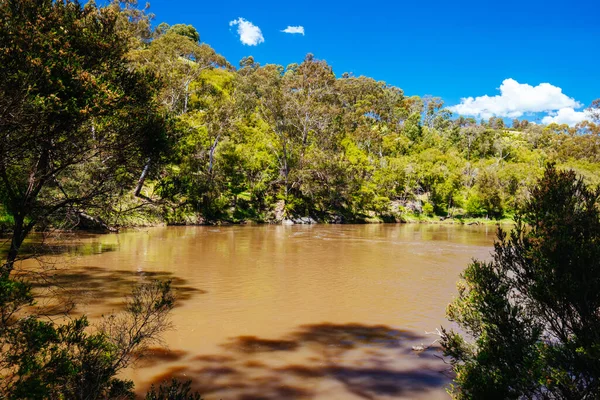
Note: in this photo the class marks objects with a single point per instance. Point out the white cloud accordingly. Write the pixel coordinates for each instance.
(294, 29)
(567, 116)
(250, 34)
(515, 100)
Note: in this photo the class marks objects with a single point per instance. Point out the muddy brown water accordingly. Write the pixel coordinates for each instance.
(288, 312)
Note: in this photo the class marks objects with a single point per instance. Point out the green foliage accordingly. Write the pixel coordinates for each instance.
(428, 209)
(44, 360)
(475, 206)
(95, 107)
(236, 142)
(490, 194)
(533, 311)
(332, 147)
(78, 123)
(173, 390)
(62, 362)
(185, 30)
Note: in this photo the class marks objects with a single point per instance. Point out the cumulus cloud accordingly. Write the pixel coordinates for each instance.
(294, 29)
(515, 100)
(250, 34)
(567, 116)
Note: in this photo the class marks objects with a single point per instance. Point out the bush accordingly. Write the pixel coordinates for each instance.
(44, 360)
(173, 390)
(474, 206)
(533, 312)
(428, 209)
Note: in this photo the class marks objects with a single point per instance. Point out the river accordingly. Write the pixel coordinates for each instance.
(288, 312)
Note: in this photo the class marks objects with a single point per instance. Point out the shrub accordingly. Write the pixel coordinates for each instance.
(428, 209)
(173, 390)
(533, 312)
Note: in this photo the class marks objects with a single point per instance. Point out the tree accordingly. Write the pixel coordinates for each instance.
(75, 119)
(432, 107)
(309, 100)
(185, 30)
(496, 123)
(195, 175)
(178, 59)
(263, 89)
(594, 111)
(132, 22)
(533, 312)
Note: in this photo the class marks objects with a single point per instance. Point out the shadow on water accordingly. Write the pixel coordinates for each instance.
(60, 244)
(252, 344)
(66, 248)
(361, 360)
(96, 286)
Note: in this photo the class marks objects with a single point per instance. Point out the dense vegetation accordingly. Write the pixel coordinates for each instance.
(268, 142)
(532, 313)
(74, 119)
(271, 142)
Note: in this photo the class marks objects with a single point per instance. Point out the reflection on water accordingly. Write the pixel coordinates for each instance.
(294, 312)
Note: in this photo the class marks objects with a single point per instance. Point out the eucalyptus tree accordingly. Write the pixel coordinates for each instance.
(594, 112)
(192, 178)
(360, 98)
(177, 58)
(310, 100)
(378, 116)
(261, 91)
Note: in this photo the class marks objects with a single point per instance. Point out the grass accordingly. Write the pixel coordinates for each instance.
(6, 221)
(457, 219)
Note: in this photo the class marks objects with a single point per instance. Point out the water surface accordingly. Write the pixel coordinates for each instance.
(289, 312)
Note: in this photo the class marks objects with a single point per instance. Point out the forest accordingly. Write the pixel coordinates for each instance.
(273, 143)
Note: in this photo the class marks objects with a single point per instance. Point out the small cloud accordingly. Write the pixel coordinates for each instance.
(567, 116)
(294, 30)
(515, 100)
(250, 34)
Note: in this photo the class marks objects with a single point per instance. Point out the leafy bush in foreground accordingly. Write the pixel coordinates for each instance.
(533, 312)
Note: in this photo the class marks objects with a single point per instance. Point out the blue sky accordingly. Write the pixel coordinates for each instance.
(452, 49)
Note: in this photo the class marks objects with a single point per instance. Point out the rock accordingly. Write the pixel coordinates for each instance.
(90, 223)
(336, 219)
(287, 222)
(279, 210)
(414, 207)
(305, 221)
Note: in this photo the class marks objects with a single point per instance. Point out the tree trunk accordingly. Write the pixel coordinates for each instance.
(286, 170)
(19, 233)
(140, 184)
(186, 98)
(211, 156)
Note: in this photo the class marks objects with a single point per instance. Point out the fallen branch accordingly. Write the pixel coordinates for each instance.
(422, 347)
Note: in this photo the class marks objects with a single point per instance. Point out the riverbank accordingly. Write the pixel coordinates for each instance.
(152, 218)
(404, 219)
